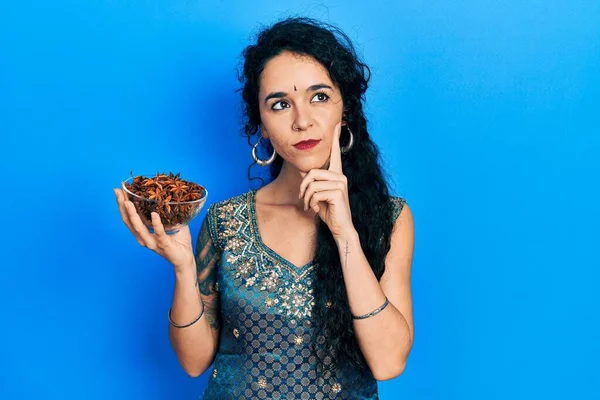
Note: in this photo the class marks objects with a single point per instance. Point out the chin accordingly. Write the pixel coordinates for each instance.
(307, 164)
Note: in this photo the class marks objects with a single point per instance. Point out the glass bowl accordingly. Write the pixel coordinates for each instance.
(174, 215)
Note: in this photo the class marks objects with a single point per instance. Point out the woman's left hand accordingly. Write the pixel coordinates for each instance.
(325, 191)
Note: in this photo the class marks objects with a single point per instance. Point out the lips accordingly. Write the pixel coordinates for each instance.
(306, 144)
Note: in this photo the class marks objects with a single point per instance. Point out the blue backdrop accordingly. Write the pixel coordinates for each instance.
(487, 116)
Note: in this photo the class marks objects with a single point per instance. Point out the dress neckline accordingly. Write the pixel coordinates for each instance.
(261, 244)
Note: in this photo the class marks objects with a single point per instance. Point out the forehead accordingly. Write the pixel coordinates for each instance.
(289, 69)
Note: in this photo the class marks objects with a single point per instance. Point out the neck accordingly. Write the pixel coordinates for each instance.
(286, 187)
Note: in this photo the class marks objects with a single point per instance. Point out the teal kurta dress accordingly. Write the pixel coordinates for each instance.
(266, 301)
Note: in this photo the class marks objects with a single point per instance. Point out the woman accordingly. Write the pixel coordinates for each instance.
(300, 289)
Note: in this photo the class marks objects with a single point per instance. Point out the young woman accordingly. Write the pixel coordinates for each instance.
(301, 289)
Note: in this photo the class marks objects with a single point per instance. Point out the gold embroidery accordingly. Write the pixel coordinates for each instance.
(336, 388)
(271, 282)
(296, 300)
(255, 266)
(235, 244)
(262, 383)
(226, 210)
(245, 268)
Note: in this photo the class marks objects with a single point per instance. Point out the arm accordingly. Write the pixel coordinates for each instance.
(385, 339)
(197, 344)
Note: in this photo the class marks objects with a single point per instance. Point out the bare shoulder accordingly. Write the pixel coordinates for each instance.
(399, 258)
(395, 281)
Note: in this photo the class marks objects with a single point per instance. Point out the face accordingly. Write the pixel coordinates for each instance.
(297, 92)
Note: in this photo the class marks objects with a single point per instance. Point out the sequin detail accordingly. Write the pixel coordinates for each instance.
(336, 388)
(257, 265)
(397, 206)
(262, 383)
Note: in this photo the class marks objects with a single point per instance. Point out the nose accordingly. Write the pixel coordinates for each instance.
(302, 119)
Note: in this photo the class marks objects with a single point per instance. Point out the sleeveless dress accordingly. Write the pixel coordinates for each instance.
(266, 301)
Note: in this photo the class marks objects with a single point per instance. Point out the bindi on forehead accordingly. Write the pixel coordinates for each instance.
(295, 90)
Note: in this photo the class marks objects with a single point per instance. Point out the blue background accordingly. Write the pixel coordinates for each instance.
(487, 116)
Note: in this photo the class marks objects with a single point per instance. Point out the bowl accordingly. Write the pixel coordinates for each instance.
(174, 214)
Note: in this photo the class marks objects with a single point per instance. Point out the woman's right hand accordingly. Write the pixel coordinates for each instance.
(175, 248)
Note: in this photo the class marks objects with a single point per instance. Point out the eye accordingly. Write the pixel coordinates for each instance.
(280, 105)
(273, 107)
(322, 97)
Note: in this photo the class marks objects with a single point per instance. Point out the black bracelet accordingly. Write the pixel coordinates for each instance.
(377, 311)
(191, 323)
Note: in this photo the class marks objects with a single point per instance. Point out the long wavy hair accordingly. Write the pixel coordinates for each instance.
(332, 333)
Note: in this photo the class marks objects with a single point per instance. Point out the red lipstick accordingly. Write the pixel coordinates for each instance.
(306, 144)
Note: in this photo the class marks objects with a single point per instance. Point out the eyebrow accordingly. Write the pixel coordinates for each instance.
(278, 95)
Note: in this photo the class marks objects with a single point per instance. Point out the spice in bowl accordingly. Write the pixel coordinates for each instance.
(177, 201)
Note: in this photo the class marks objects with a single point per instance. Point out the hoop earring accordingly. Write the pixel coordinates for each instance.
(347, 147)
(260, 162)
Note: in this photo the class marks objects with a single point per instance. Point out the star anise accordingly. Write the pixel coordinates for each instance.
(178, 188)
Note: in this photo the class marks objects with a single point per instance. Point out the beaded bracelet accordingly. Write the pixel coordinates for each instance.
(191, 323)
(375, 312)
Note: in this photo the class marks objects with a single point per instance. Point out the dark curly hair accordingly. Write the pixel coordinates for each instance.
(367, 186)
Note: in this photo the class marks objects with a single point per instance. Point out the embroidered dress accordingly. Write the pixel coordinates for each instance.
(266, 301)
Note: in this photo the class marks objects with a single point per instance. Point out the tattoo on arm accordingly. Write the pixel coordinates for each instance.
(207, 259)
(347, 252)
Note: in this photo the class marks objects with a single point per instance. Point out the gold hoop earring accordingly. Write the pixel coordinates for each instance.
(260, 162)
(348, 147)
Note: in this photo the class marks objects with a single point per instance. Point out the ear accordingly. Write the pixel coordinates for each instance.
(265, 133)
(344, 121)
